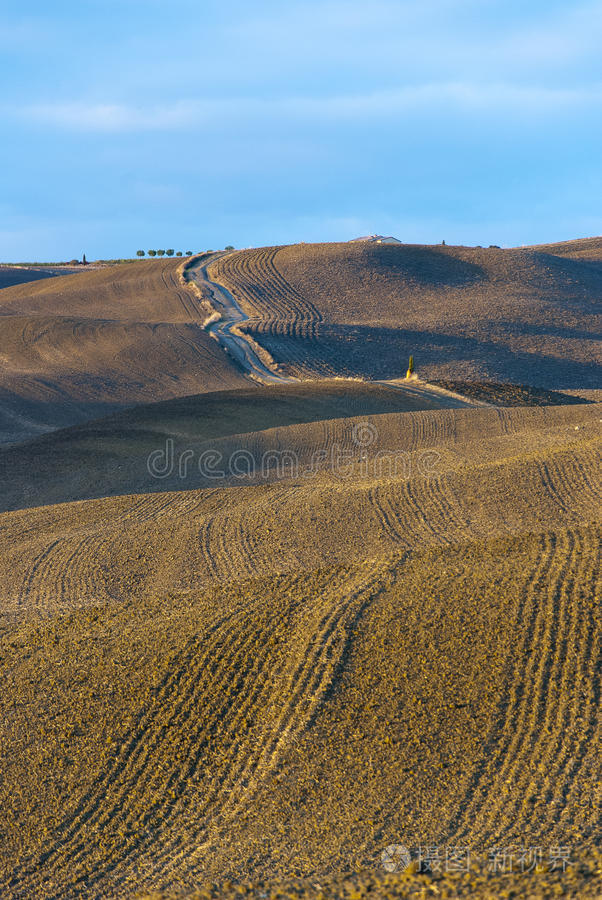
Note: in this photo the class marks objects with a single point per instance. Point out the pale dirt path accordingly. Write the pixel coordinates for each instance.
(231, 316)
(448, 399)
(240, 349)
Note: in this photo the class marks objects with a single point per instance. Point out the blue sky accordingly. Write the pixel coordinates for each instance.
(133, 124)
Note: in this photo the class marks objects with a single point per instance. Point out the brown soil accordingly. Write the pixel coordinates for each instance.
(253, 686)
(79, 347)
(520, 316)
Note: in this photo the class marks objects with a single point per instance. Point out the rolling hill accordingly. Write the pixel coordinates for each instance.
(79, 347)
(584, 248)
(110, 455)
(12, 275)
(527, 316)
(315, 667)
(314, 638)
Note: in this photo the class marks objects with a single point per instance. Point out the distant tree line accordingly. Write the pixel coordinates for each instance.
(152, 253)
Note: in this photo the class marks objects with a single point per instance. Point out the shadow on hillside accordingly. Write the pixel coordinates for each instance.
(11, 276)
(547, 329)
(376, 352)
(23, 418)
(432, 266)
(587, 271)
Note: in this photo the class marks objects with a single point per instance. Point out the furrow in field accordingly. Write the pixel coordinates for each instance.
(437, 492)
(585, 475)
(551, 709)
(241, 537)
(242, 672)
(77, 574)
(155, 506)
(231, 771)
(572, 473)
(421, 516)
(244, 269)
(137, 767)
(561, 472)
(543, 668)
(36, 572)
(307, 313)
(579, 795)
(226, 554)
(388, 518)
(228, 545)
(419, 506)
(244, 747)
(571, 708)
(171, 286)
(62, 574)
(254, 276)
(428, 430)
(248, 761)
(503, 727)
(550, 482)
(304, 689)
(205, 543)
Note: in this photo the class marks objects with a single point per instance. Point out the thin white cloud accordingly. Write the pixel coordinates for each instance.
(190, 115)
(460, 96)
(111, 117)
(444, 38)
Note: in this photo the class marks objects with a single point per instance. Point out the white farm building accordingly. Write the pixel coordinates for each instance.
(376, 239)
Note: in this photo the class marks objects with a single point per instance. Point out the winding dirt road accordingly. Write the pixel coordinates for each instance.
(232, 316)
(240, 349)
